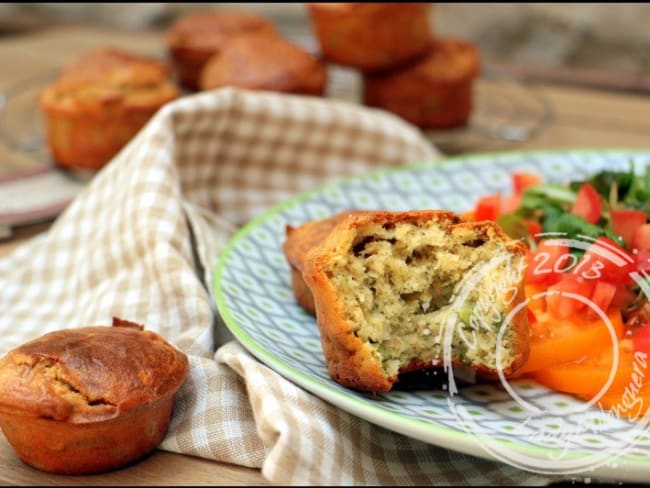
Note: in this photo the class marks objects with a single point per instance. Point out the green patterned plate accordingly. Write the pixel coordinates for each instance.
(558, 435)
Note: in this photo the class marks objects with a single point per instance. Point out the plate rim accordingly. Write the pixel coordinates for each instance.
(463, 441)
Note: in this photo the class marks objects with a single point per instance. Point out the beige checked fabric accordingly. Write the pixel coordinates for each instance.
(142, 239)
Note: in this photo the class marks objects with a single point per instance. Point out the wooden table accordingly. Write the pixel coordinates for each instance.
(580, 119)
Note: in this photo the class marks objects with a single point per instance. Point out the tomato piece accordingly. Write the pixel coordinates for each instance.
(623, 297)
(561, 301)
(587, 204)
(626, 222)
(511, 203)
(590, 376)
(558, 341)
(546, 263)
(601, 297)
(488, 208)
(534, 227)
(643, 261)
(606, 260)
(521, 181)
(641, 239)
(641, 339)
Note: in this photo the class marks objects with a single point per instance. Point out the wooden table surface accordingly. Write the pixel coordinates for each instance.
(580, 118)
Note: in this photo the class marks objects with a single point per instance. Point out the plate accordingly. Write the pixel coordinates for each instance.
(254, 296)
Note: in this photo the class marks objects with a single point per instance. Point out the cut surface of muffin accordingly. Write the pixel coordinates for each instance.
(400, 291)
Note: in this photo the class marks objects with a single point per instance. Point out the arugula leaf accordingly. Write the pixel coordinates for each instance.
(603, 181)
(638, 195)
(571, 225)
(553, 193)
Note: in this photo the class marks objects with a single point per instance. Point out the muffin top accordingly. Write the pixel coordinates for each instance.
(90, 373)
(449, 60)
(264, 62)
(110, 76)
(207, 31)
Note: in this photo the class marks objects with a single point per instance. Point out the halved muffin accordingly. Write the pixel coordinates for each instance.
(400, 291)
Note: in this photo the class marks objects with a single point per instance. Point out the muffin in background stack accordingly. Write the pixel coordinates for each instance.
(99, 102)
(406, 69)
(371, 36)
(433, 92)
(194, 38)
(262, 62)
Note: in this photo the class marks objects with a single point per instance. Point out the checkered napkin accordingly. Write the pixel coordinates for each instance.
(141, 241)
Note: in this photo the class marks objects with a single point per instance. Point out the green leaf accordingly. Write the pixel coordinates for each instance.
(571, 225)
(553, 193)
(514, 225)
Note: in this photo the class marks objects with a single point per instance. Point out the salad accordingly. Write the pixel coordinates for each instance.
(587, 283)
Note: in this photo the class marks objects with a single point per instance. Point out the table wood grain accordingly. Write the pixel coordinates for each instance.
(581, 118)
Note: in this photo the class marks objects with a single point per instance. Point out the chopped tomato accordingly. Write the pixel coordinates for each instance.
(643, 260)
(558, 341)
(521, 181)
(601, 297)
(606, 260)
(641, 239)
(534, 227)
(623, 297)
(587, 204)
(626, 222)
(562, 298)
(641, 339)
(511, 203)
(589, 376)
(545, 264)
(488, 208)
(531, 316)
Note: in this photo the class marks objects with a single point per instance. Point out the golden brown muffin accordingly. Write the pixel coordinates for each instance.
(393, 291)
(434, 92)
(299, 241)
(99, 103)
(194, 38)
(92, 399)
(371, 36)
(262, 62)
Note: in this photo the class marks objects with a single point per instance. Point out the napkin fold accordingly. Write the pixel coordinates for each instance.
(142, 239)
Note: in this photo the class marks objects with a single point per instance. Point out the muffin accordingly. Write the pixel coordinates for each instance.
(393, 292)
(99, 102)
(87, 400)
(433, 92)
(194, 38)
(263, 62)
(371, 36)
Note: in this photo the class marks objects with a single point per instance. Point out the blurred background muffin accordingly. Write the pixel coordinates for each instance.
(433, 92)
(99, 102)
(263, 62)
(371, 36)
(195, 37)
